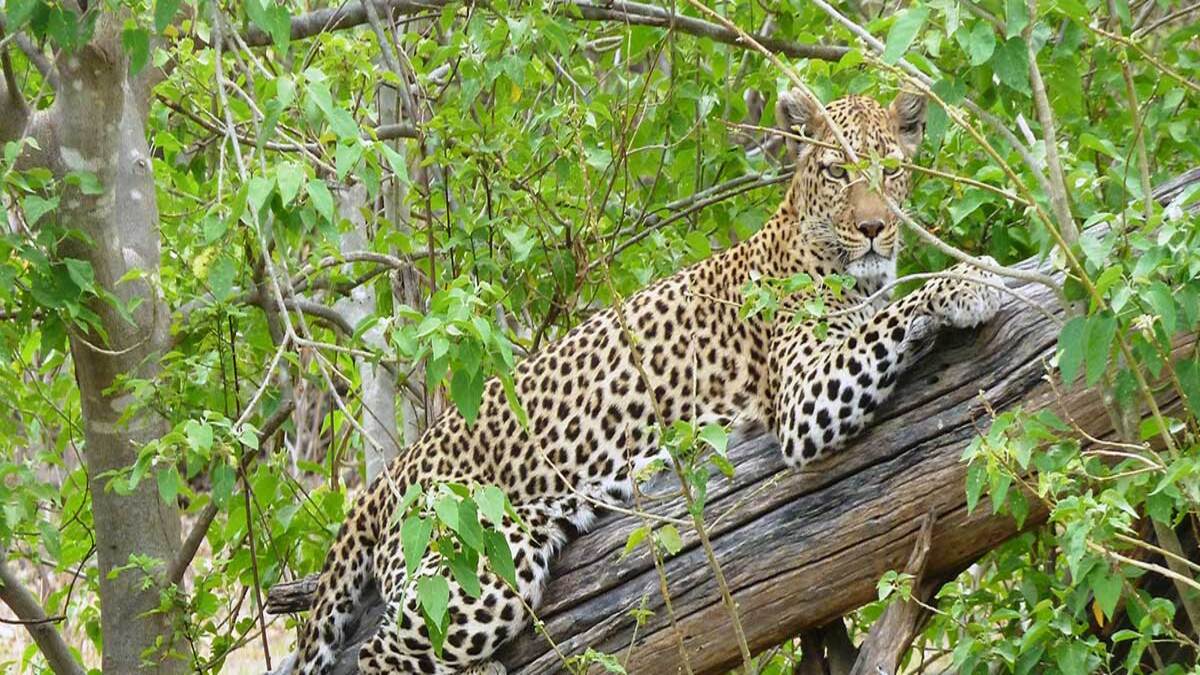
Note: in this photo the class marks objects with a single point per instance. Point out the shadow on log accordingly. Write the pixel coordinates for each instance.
(800, 550)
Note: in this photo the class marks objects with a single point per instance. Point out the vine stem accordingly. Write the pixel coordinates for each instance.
(685, 487)
(660, 420)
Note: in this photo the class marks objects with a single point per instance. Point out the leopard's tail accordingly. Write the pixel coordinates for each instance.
(343, 580)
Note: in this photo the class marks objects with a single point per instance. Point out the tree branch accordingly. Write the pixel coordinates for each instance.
(200, 529)
(14, 113)
(891, 635)
(355, 14)
(34, 54)
(25, 605)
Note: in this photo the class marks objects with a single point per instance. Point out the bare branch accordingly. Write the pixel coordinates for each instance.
(14, 113)
(1059, 200)
(12, 89)
(14, 594)
(355, 14)
(892, 633)
(200, 529)
(1166, 19)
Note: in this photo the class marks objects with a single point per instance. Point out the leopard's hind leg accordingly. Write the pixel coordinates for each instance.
(477, 626)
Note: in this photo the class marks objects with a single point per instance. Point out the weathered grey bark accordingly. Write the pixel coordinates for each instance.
(892, 634)
(97, 125)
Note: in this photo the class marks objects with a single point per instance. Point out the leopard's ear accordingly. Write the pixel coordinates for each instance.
(908, 112)
(797, 114)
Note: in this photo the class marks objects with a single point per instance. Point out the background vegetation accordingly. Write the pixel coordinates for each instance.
(362, 220)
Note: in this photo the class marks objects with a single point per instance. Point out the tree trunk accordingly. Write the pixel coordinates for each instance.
(97, 126)
(377, 385)
(122, 223)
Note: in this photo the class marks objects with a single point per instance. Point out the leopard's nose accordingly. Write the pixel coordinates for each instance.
(870, 228)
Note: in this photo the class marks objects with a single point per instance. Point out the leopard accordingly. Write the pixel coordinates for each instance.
(595, 400)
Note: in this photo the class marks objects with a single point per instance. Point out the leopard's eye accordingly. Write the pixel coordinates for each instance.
(835, 171)
(891, 170)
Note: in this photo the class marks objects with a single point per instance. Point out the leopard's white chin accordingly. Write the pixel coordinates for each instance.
(872, 270)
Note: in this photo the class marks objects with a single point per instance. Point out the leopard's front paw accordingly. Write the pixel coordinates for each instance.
(962, 301)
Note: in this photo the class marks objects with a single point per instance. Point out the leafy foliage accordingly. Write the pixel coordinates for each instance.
(556, 167)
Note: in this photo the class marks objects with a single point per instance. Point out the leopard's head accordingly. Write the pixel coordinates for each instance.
(840, 201)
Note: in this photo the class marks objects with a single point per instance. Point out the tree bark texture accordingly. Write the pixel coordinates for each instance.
(97, 126)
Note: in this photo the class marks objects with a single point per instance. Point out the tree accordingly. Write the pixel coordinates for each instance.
(102, 220)
(248, 249)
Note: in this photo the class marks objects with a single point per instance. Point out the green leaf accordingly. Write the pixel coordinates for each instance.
(289, 177)
(214, 228)
(469, 529)
(340, 120)
(346, 156)
(976, 479)
(716, 436)
(500, 556)
(1016, 14)
(466, 389)
(414, 541)
(971, 199)
(411, 494)
(522, 239)
(464, 567)
(668, 536)
(491, 503)
(81, 273)
(446, 510)
(1071, 657)
(434, 594)
(1107, 589)
(36, 207)
(637, 536)
(258, 192)
(164, 13)
(979, 42)
(903, 31)
(1107, 279)
(322, 199)
(51, 539)
(273, 19)
(199, 435)
(998, 484)
(221, 277)
(723, 465)
(168, 485)
(396, 161)
(1163, 302)
(1011, 63)
(1189, 376)
(136, 42)
(598, 158)
(1070, 348)
(1099, 334)
(223, 478)
(19, 11)
(248, 435)
(1072, 8)
(87, 182)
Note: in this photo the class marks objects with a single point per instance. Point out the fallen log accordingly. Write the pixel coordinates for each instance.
(800, 550)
